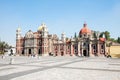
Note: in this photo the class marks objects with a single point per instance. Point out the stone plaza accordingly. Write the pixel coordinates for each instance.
(59, 68)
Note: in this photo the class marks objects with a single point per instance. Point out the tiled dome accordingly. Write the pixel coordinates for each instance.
(102, 39)
(40, 28)
(85, 29)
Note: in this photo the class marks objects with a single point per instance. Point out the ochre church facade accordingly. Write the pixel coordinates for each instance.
(88, 43)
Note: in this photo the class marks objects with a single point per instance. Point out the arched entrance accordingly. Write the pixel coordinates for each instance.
(22, 52)
(62, 53)
(30, 52)
(39, 52)
(56, 53)
(84, 53)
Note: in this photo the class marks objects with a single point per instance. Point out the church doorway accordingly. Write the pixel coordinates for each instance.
(39, 52)
(56, 53)
(62, 53)
(22, 52)
(30, 51)
(84, 53)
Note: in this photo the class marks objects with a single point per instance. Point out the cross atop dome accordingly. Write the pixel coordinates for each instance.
(85, 24)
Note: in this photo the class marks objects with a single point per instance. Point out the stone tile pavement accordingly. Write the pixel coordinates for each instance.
(59, 68)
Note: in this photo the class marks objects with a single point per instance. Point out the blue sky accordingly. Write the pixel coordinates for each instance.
(59, 15)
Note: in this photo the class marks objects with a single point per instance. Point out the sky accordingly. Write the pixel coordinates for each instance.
(59, 15)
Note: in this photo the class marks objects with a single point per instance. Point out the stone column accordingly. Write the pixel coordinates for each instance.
(90, 49)
(81, 49)
(98, 49)
(78, 48)
(27, 52)
(59, 50)
(64, 49)
(82, 52)
(105, 48)
(71, 49)
(42, 50)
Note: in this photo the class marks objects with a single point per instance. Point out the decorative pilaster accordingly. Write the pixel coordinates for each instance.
(105, 51)
(90, 52)
(78, 48)
(98, 49)
(72, 50)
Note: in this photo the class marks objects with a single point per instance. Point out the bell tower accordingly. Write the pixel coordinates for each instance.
(44, 39)
(63, 37)
(18, 43)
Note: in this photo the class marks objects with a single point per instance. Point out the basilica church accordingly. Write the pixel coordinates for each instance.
(42, 43)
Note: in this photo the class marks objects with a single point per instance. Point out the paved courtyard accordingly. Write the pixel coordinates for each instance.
(59, 68)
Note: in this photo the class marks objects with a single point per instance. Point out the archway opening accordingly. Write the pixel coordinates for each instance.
(22, 52)
(30, 51)
(84, 52)
(62, 53)
(39, 52)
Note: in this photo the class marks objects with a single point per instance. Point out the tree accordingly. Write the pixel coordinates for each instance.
(101, 34)
(95, 34)
(113, 40)
(67, 38)
(3, 46)
(107, 35)
(75, 36)
(118, 40)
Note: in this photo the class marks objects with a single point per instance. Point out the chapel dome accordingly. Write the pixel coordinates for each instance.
(85, 29)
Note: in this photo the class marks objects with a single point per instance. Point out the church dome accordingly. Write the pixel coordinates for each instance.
(40, 28)
(85, 29)
(102, 39)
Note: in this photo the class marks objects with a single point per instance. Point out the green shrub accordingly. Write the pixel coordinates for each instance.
(1, 52)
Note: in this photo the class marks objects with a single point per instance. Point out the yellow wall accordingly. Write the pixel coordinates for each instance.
(115, 51)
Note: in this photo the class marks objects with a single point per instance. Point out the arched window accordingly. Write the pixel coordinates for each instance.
(84, 44)
(93, 46)
(68, 47)
(84, 35)
(102, 46)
